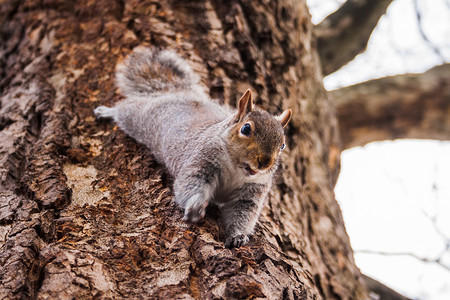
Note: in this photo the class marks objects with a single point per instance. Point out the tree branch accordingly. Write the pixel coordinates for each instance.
(433, 47)
(414, 106)
(437, 261)
(345, 33)
(384, 292)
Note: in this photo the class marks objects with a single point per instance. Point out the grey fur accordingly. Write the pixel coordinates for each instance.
(146, 72)
(166, 110)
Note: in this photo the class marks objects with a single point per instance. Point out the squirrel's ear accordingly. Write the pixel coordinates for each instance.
(284, 117)
(245, 104)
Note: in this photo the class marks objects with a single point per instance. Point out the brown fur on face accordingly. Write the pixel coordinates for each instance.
(261, 149)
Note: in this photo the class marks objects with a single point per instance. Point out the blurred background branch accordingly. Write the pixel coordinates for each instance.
(430, 44)
(437, 261)
(414, 106)
(345, 33)
(383, 292)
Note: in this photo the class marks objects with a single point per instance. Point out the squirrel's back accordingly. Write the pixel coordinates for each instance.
(164, 108)
(148, 71)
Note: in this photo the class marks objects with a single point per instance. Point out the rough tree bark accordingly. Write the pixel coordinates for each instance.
(409, 106)
(86, 212)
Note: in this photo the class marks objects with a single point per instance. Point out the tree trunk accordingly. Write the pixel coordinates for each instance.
(86, 212)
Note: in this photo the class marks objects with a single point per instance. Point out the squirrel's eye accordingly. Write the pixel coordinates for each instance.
(246, 129)
(283, 146)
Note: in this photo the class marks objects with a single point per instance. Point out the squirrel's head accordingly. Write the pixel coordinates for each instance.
(256, 138)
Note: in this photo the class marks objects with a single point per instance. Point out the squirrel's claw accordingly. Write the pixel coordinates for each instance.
(236, 241)
(194, 213)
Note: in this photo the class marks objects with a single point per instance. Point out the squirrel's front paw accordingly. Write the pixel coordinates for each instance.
(195, 212)
(236, 241)
(104, 112)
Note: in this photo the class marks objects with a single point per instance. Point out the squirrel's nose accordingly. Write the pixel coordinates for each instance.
(264, 162)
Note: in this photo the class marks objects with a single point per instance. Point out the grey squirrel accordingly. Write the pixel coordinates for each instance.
(215, 153)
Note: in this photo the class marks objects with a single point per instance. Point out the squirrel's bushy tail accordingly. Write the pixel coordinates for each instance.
(147, 71)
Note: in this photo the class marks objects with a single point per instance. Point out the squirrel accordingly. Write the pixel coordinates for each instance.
(215, 153)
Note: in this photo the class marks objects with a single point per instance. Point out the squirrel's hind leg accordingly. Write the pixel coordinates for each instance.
(241, 213)
(105, 112)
